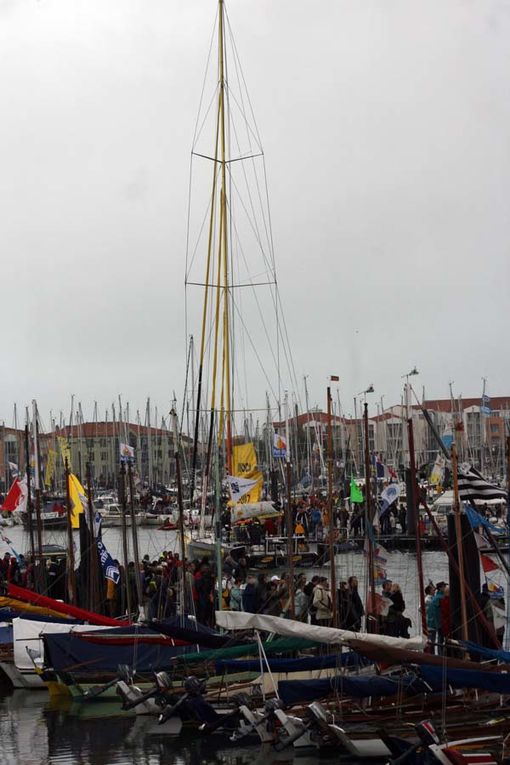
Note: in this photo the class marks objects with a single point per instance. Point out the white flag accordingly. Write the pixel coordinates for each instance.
(127, 452)
(14, 469)
(239, 486)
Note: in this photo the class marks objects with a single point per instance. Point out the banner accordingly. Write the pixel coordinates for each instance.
(65, 451)
(390, 495)
(127, 453)
(110, 569)
(244, 461)
(437, 473)
(279, 446)
(50, 467)
(239, 486)
(485, 405)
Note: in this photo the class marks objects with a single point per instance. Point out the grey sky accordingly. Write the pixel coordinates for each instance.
(386, 132)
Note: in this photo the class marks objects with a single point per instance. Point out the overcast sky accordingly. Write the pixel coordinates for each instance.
(385, 126)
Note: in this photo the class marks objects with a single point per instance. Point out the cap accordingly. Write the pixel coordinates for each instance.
(275, 578)
(440, 584)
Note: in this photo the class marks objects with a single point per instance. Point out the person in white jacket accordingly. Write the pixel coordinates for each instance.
(322, 603)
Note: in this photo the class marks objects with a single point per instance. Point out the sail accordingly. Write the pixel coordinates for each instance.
(236, 620)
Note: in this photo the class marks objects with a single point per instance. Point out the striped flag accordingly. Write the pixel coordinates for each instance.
(472, 485)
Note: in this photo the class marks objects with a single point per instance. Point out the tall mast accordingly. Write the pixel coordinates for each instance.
(224, 232)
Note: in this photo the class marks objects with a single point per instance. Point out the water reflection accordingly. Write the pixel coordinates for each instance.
(35, 730)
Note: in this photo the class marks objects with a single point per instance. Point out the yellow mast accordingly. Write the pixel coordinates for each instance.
(226, 387)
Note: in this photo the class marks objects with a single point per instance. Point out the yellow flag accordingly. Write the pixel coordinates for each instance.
(244, 462)
(50, 467)
(78, 500)
(65, 451)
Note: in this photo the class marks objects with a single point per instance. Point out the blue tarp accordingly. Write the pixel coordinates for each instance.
(6, 635)
(295, 691)
(488, 653)
(346, 659)
(65, 652)
(497, 682)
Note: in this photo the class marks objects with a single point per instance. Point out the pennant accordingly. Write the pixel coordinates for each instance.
(356, 494)
(127, 453)
(78, 500)
(488, 564)
(279, 446)
(65, 451)
(50, 467)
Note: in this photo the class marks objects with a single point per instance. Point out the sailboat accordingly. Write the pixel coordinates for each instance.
(237, 344)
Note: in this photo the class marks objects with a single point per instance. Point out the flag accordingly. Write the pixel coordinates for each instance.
(240, 486)
(334, 378)
(127, 453)
(437, 472)
(380, 468)
(356, 494)
(488, 564)
(14, 469)
(472, 485)
(50, 467)
(485, 405)
(65, 451)
(110, 569)
(244, 461)
(476, 520)
(78, 500)
(392, 473)
(390, 495)
(16, 496)
(279, 446)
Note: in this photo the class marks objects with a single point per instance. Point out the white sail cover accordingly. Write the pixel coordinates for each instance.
(251, 510)
(238, 620)
(27, 634)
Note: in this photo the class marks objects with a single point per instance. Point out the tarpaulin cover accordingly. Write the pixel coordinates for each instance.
(497, 682)
(303, 664)
(271, 647)
(295, 691)
(69, 653)
(488, 653)
(190, 633)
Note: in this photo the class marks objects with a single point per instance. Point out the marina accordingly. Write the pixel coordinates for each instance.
(252, 572)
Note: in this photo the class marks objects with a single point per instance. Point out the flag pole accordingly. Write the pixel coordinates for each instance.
(71, 577)
(416, 514)
(460, 547)
(290, 520)
(368, 516)
(330, 513)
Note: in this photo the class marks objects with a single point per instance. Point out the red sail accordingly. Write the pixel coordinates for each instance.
(64, 608)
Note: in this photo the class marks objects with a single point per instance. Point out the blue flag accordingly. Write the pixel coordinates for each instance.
(110, 570)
